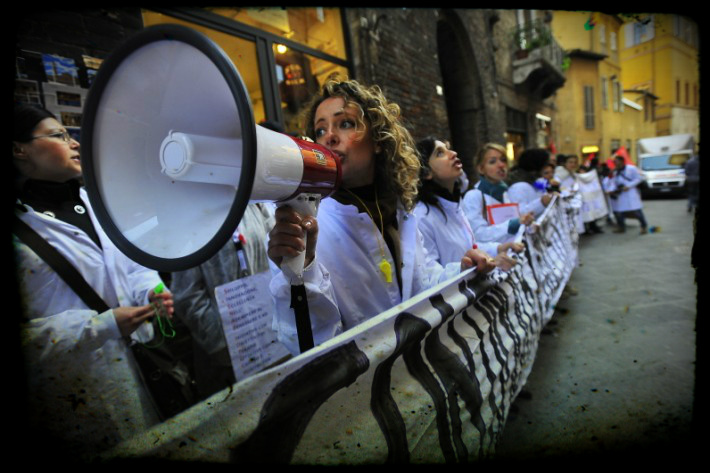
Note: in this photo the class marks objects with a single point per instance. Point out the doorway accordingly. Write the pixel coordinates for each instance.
(461, 90)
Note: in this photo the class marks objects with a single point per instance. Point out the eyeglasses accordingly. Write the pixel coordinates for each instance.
(64, 135)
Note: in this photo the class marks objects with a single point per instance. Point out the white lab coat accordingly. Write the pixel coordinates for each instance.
(631, 198)
(74, 354)
(472, 205)
(527, 197)
(565, 178)
(344, 284)
(448, 237)
(609, 186)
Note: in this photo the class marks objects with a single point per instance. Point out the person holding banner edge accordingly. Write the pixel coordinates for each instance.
(444, 226)
(550, 183)
(364, 252)
(489, 194)
(522, 181)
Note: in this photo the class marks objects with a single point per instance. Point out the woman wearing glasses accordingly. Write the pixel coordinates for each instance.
(84, 387)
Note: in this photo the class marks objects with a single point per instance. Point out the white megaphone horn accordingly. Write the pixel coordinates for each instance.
(171, 154)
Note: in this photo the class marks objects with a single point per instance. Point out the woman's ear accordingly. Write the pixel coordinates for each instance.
(18, 151)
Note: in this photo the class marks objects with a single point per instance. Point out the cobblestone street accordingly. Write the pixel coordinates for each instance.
(615, 370)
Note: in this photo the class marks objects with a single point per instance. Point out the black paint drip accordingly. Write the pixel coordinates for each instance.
(409, 331)
(293, 402)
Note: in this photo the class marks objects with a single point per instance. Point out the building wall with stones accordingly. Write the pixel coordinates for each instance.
(450, 70)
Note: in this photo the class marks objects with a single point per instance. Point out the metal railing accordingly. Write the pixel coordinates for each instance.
(535, 38)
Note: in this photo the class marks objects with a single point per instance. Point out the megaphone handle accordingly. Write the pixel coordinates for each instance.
(299, 304)
(307, 206)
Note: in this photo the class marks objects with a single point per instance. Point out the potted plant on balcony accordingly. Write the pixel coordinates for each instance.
(530, 36)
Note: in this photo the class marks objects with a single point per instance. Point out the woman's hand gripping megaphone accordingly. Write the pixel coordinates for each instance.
(292, 241)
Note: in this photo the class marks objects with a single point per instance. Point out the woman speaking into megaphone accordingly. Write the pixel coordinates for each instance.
(364, 252)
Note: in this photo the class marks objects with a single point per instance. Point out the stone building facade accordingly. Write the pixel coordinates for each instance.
(452, 71)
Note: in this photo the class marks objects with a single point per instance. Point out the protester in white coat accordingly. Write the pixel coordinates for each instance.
(84, 389)
(625, 195)
(364, 252)
(446, 231)
(491, 190)
(566, 174)
(522, 182)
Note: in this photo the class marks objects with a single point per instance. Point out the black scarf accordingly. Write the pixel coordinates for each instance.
(61, 200)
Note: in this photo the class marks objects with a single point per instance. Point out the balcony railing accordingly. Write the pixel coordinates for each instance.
(537, 58)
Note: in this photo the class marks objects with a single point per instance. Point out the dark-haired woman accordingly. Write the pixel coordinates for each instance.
(83, 384)
(446, 231)
(521, 182)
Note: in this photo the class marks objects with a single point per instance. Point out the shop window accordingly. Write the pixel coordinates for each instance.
(615, 145)
(299, 77)
(514, 146)
(319, 28)
(242, 52)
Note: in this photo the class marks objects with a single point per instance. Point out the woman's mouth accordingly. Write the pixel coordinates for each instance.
(342, 157)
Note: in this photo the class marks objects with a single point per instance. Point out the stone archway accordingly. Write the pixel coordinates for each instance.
(462, 89)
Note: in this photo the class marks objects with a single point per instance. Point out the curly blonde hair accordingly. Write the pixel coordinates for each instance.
(396, 163)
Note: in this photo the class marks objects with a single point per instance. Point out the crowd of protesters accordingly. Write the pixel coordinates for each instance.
(404, 219)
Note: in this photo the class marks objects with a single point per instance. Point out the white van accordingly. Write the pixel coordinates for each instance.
(661, 160)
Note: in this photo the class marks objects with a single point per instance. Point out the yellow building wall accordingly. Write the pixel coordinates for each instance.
(659, 65)
(572, 133)
(569, 30)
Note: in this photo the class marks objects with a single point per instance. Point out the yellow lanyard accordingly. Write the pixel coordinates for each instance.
(384, 265)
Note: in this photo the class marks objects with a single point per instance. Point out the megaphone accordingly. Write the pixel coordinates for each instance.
(171, 155)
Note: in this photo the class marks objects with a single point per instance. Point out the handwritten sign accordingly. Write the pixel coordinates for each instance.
(246, 308)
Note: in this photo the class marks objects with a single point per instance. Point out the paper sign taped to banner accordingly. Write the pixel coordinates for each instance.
(246, 308)
(499, 213)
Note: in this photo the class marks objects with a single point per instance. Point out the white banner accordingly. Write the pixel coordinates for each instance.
(429, 381)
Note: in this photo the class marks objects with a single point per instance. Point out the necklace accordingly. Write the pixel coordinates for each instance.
(384, 265)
